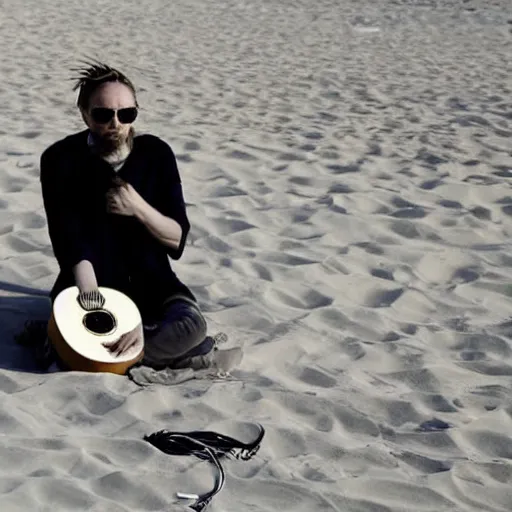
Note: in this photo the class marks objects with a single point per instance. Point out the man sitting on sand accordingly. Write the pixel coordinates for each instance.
(115, 212)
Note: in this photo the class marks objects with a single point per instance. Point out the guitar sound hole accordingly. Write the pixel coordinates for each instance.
(99, 322)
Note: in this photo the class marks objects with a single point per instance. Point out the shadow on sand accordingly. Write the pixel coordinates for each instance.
(17, 305)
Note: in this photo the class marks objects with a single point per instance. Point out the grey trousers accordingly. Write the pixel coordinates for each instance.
(180, 334)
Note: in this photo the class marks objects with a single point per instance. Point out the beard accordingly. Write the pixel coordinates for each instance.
(112, 143)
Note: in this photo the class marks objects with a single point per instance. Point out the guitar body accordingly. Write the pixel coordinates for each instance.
(78, 335)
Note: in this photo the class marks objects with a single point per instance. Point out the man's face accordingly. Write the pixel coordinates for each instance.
(113, 128)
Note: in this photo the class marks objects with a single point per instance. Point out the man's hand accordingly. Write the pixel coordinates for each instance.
(85, 279)
(122, 199)
(126, 341)
(91, 300)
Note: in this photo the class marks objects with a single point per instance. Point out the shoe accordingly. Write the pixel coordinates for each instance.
(203, 352)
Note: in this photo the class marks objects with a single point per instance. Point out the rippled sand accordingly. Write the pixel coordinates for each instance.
(348, 171)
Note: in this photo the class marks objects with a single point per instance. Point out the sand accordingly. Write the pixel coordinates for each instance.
(347, 167)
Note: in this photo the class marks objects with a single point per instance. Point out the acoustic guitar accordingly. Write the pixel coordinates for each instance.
(78, 335)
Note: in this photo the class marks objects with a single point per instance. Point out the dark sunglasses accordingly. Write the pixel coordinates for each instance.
(102, 115)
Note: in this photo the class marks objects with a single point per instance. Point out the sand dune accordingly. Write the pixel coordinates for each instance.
(347, 167)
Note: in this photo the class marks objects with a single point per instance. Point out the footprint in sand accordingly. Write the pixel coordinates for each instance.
(485, 354)
(30, 134)
(296, 298)
(446, 203)
(282, 258)
(478, 179)
(192, 145)
(224, 227)
(507, 210)
(291, 157)
(465, 275)
(383, 298)
(227, 191)
(308, 148)
(286, 443)
(20, 242)
(355, 422)
(32, 220)
(241, 155)
(492, 444)
(382, 274)
(252, 269)
(406, 209)
(405, 229)
(420, 379)
(6, 228)
(399, 412)
(437, 403)
(11, 425)
(316, 378)
(9, 385)
(343, 169)
(301, 180)
(503, 172)
(391, 336)
(340, 188)
(415, 212)
(487, 397)
(353, 348)
(329, 155)
(314, 474)
(424, 464)
(252, 395)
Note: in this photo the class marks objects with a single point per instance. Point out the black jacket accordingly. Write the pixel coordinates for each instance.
(124, 254)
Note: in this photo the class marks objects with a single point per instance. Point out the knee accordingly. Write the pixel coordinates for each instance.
(191, 326)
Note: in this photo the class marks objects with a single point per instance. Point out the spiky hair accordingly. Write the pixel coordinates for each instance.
(92, 75)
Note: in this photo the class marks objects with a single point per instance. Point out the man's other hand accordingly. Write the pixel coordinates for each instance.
(122, 199)
(125, 342)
